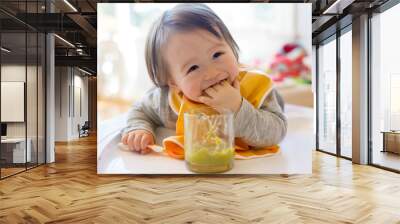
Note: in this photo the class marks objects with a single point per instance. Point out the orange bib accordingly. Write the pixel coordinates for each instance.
(254, 87)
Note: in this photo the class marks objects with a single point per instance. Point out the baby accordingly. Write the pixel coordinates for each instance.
(190, 50)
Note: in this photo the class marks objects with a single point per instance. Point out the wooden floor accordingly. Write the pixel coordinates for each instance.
(70, 191)
(388, 159)
(10, 171)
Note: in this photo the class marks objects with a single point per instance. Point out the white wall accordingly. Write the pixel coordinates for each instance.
(17, 73)
(33, 126)
(303, 33)
(70, 83)
(14, 73)
(82, 83)
(62, 80)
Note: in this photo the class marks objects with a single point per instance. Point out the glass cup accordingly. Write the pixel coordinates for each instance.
(209, 141)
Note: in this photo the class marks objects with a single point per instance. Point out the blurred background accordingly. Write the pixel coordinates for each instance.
(274, 38)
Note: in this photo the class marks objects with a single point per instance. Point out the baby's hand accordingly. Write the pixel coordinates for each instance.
(223, 96)
(138, 140)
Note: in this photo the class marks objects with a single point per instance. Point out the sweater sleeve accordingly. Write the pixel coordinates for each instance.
(261, 127)
(144, 114)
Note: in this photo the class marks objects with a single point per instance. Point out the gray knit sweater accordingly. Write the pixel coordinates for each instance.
(257, 127)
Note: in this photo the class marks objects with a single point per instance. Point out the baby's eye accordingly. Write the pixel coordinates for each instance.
(191, 69)
(217, 54)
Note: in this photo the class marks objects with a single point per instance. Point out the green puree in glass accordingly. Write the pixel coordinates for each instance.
(206, 156)
(209, 160)
(209, 155)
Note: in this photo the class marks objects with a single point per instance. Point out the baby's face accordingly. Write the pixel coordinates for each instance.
(198, 60)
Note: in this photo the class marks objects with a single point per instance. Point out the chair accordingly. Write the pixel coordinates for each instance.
(84, 130)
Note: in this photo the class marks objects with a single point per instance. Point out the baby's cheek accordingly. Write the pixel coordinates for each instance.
(234, 73)
(192, 92)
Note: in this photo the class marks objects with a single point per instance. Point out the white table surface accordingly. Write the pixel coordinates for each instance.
(13, 140)
(19, 150)
(295, 156)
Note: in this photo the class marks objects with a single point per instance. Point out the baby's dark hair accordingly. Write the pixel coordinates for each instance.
(183, 17)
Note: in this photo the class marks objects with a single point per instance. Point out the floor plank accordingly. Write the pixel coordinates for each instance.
(70, 191)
